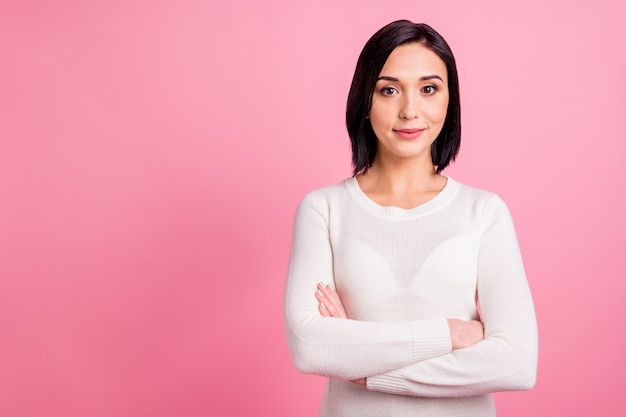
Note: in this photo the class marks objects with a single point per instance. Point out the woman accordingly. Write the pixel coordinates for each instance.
(411, 254)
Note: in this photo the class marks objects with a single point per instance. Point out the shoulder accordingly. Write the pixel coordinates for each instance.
(327, 194)
(487, 205)
(321, 199)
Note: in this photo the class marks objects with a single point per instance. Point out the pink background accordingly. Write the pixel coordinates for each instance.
(152, 154)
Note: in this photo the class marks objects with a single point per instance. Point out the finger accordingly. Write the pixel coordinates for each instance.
(322, 310)
(332, 301)
(325, 306)
(326, 303)
(360, 381)
(329, 293)
(329, 298)
(320, 297)
(323, 287)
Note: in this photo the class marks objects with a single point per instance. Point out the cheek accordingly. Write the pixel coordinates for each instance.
(439, 110)
(444, 107)
(378, 115)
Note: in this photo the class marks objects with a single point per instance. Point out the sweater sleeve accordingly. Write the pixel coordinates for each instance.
(507, 358)
(343, 348)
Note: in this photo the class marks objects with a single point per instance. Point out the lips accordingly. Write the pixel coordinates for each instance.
(408, 133)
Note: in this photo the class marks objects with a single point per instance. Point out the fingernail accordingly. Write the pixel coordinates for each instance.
(319, 293)
(323, 306)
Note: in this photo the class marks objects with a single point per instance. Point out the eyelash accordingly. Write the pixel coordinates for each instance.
(386, 91)
(433, 87)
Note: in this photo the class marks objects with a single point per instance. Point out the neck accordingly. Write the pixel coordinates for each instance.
(401, 177)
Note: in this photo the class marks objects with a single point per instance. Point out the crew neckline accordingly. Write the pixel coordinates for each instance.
(393, 212)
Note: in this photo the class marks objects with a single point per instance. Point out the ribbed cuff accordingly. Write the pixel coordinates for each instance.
(431, 338)
(391, 382)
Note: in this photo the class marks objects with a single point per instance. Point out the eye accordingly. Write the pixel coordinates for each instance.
(388, 91)
(429, 90)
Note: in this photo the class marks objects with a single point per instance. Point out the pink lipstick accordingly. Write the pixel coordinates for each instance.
(408, 133)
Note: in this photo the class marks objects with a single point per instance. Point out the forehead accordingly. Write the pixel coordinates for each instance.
(413, 60)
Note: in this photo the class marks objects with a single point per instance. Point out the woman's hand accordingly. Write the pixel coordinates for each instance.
(329, 302)
(462, 333)
(330, 306)
(465, 333)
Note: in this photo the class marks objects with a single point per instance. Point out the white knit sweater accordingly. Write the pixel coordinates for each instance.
(401, 274)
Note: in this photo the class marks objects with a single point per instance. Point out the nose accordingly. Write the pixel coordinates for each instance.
(408, 109)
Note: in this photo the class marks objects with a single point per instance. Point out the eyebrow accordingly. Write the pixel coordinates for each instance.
(424, 78)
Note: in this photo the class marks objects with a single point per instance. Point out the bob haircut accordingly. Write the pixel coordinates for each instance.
(371, 61)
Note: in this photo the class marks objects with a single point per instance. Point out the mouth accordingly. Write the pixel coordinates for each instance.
(408, 133)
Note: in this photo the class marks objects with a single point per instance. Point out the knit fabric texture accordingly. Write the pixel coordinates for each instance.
(400, 274)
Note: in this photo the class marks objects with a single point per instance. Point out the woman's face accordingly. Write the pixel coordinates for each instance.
(409, 103)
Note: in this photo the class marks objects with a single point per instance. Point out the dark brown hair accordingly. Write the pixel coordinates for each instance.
(368, 67)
